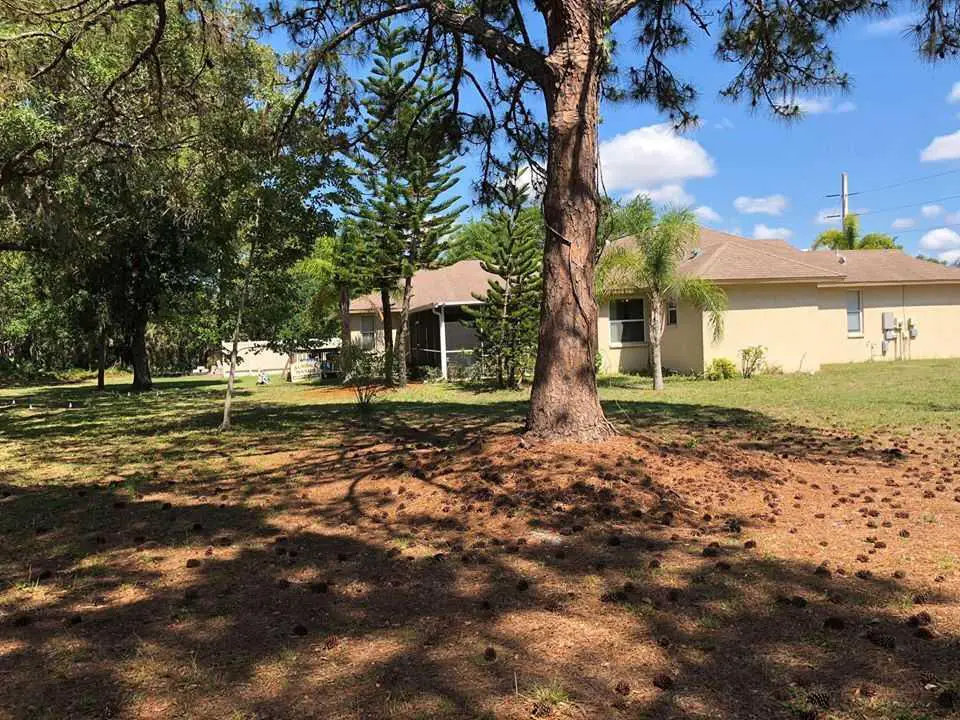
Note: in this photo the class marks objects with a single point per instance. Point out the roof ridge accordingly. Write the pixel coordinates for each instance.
(747, 244)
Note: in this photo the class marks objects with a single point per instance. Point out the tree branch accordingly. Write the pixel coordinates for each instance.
(523, 58)
(616, 9)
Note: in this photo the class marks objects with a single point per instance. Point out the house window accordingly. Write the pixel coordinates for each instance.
(627, 322)
(367, 329)
(854, 313)
(672, 313)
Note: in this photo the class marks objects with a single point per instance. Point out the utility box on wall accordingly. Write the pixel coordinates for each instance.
(889, 326)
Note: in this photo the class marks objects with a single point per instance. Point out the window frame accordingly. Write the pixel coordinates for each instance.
(641, 321)
(673, 314)
(368, 338)
(858, 333)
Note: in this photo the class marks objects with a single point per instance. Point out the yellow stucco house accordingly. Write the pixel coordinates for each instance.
(805, 308)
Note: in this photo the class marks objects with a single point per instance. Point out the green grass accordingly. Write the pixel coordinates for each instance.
(74, 427)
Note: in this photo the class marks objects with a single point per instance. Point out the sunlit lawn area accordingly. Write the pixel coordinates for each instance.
(758, 548)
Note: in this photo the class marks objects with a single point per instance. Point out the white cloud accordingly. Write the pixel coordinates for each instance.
(769, 205)
(707, 214)
(952, 218)
(892, 25)
(814, 106)
(669, 194)
(903, 223)
(950, 256)
(535, 182)
(954, 95)
(724, 124)
(817, 106)
(942, 147)
(931, 211)
(940, 239)
(762, 232)
(651, 156)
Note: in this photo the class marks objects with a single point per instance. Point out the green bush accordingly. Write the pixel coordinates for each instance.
(721, 369)
(753, 360)
(364, 375)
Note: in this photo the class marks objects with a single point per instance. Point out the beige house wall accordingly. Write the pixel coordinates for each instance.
(784, 318)
(682, 346)
(356, 327)
(934, 309)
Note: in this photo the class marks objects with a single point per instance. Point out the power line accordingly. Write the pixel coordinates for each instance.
(898, 184)
(897, 207)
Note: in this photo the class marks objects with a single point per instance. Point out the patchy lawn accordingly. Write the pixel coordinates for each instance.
(785, 547)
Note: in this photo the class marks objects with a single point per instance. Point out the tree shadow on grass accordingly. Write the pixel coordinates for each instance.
(291, 607)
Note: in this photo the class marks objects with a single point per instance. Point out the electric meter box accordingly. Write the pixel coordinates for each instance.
(889, 326)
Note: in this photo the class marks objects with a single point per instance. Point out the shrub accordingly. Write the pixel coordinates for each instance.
(752, 360)
(721, 369)
(364, 375)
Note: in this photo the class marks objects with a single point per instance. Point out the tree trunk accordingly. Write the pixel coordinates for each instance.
(344, 292)
(139, 356)
(564, 402)
(228, 399)
(387, 334)
(102, 359)
(657, 317)
(403, 333)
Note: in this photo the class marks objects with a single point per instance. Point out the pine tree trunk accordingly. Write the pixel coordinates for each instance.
(564, 402)
(140, 358)
(504, 344)
(344, 292)
(403, 332)
(657, 316)
(387, 334)
(102, 359)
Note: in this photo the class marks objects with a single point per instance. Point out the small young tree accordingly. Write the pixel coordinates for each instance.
(506, 322)
(652, 266)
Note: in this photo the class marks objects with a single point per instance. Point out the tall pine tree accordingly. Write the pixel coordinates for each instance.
(408, 174)
(506, 322)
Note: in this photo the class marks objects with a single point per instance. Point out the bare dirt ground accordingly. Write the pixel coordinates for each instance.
(449, 570)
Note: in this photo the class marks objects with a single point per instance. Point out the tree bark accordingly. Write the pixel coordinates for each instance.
(102, 359)
(139, 356)
(387, 334)
(344, 292)
(657, 317)
(564, 402)
(403, 333)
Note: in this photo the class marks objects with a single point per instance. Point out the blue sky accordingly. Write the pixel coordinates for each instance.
(758, 176)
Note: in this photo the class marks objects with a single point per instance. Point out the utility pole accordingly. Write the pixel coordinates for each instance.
(844, 199)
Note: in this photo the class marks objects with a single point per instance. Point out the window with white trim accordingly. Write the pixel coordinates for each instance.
(672, 313)
(368, 339)
(854, 313)
(627, 322)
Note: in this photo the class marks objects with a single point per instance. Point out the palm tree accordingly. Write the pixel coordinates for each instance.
(652, 266)
(849, 238)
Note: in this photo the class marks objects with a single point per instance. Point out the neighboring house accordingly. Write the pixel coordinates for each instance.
(805, 308)
(438, 336)
(255, 356)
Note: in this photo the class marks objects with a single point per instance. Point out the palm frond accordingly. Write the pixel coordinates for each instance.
(705, 296)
